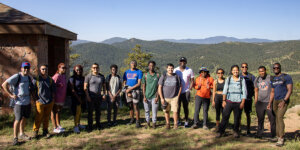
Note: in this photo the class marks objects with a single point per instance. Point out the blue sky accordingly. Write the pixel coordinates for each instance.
(97, 20)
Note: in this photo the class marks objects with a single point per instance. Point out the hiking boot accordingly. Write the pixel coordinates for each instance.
(131, 121)
(154, 125)
(109, 124)
(46, 133)
(115, 123)
(258, 135)
(15, 141)
(99, 127)
(219, 135)
(76, 130)
(168, 126)
(35, 134)
(280, 142)
(24, 137)
(137, 124)
(236, 135)
(205, 127)
(148, 126)
(194, 126)
(248, 133)
(274, 139)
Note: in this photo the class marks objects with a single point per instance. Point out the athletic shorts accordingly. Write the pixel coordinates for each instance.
(135, 97)
(248, 106)
(21, 111)
(172, 104)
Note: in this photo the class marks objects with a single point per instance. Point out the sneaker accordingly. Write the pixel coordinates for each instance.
(81, 126)
(46, 133)
(258, 135)
(205, 127)
(61, 129)
(76, 130)
(236, 135)
(274, 139)
(56, 130)
(15, 141)
(137, 124)
(35, 134)
(109, 124)
(131, 121)
(24, 137)
(280, 142)
(175, 126)
(186, 124)
(194, 126)
(115, 123)
(168, 126)
(154, 125)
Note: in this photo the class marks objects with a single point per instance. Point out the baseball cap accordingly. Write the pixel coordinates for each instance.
(203, 69)
(25, 64)
(183, 59)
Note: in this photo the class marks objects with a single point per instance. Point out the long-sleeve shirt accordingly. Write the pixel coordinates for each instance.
(206, 84)
(233, 90)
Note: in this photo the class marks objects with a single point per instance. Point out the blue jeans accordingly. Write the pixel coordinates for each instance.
(147, 106)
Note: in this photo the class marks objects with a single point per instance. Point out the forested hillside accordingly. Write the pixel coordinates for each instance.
(212, 55)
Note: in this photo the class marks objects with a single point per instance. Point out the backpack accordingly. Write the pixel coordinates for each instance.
(229, 79)
(281, 77)
(108, 80)
(146, 74)
(38, 83)
(165, 77)
(12, 88)
(70, 86)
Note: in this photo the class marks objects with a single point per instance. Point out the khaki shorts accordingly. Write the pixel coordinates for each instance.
(172, 104)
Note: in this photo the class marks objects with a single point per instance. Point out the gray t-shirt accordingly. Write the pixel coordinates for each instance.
(22, 91)
(264, 88)
(45, 88)
(95, 83)
(171, 87)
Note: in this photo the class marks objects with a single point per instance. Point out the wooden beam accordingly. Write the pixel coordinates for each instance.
(59, 32)
(22, 29)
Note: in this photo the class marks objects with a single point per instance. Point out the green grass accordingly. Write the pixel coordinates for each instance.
(128, 137)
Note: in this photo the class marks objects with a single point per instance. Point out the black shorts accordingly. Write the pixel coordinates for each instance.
(22, 111)
(248, 106)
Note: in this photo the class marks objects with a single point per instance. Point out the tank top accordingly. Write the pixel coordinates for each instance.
(220, 86)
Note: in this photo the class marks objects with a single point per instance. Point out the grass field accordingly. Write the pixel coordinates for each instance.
(125, 136)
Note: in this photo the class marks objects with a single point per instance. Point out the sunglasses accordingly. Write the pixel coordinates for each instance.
(63, 67)
(276, 67)
(220, 72)
(44, 69)
(244, 67)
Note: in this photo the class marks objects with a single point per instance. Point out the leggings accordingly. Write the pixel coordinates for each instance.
(218, 106)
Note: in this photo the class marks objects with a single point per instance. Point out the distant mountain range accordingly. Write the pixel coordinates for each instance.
(210, 40)
(219, 39)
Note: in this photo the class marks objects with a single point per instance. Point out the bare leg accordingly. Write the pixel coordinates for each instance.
(22, 125)
(16, 128)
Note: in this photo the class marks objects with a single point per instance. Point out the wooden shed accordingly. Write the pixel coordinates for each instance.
(26, 38)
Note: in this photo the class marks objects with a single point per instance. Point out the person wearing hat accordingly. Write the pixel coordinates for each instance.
(186, 75)
(203, 85)
(18, 87)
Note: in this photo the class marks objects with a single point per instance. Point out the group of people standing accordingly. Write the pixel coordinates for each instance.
(235, 93)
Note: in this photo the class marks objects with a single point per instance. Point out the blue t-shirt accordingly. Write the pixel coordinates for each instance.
(279, 85)
(22, 91)
(249, 79)
(132, 77)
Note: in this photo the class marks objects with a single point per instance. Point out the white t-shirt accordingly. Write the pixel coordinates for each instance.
(185, 77)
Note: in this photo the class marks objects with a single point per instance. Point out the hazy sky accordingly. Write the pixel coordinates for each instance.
(97, 20)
